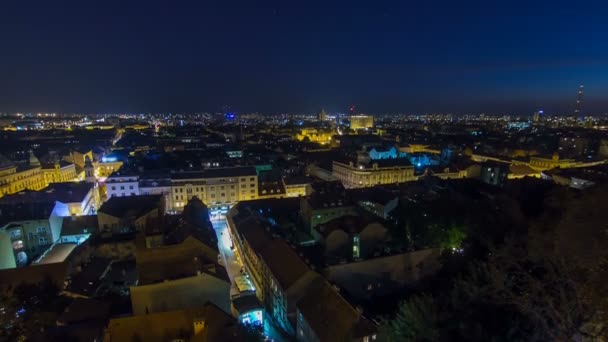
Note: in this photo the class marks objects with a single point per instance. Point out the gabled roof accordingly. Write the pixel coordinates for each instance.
(331, 317)
(283, 262)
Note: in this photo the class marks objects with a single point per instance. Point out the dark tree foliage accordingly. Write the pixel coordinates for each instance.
(30, 309)
(542, 277)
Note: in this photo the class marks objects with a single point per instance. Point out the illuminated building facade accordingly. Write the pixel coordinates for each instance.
(379, 172)
(14, 179)
(297, 186)
(315, 135)
(59, 172)
(215, 187)
(361, 122)
(27, 229)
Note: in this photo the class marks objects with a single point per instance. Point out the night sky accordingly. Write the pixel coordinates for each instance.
(300, 56)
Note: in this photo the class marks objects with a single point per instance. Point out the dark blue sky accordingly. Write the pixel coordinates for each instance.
(299, 56)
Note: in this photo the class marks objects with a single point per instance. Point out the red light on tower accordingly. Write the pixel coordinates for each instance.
(352, 109)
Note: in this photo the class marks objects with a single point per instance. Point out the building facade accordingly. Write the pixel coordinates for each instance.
(59, 172)
(14, 179)
(367, 175)
(221, 187)
(361, 122)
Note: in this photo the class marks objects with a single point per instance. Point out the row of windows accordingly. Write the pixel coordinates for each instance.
(122, 187)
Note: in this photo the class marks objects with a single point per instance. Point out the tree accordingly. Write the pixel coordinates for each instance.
(416, 320)
(30, 309)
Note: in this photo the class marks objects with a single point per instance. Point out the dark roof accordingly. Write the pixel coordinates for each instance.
(297, 180)
(374, 195)
(327, 195)
(331, 317)
(87, 281)
(284, 263)
(230, 172)
(82, 309)
(241, 171)
(244, 304)
(51, 165)
(75, 225)
(10, 278)
(10, 212)
(188, 175)
(282, 260)
(69, 192)
(350, 224)
(130, 205)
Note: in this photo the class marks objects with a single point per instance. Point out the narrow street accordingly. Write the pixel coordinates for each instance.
(233, 268)
(230, 262)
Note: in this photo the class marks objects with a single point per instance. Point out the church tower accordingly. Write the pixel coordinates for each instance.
(89, 171)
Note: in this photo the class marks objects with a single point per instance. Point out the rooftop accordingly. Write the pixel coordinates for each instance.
(69, 192)
(131, 205)
(163, 326)
(331, 317)
(56, 253)
(15, 211)
(283, 262)
(77, 225)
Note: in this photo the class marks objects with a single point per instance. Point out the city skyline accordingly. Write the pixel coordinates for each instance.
(386, 57)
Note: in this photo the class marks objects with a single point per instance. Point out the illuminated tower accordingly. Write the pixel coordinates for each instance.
(321, 115)
(89, 171)
(579, 103)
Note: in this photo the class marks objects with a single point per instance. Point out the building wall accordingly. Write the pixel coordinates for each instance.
(13, 180)
(305, 332)
(29, 238)
(352, 176)
(314, 135)
(117, 186)
(87, 206)
(60, 175)
(361, 122)
(103, 170)
(213, 191)
(297, 190)
(7, 256)
(315, 216)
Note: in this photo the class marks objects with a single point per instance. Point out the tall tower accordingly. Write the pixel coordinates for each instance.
(321, 115)
(579, 103)
(89, 171)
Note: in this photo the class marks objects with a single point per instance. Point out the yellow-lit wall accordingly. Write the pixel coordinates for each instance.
(60, 175)
(353, 176)
(314, 135)
(13, 181)
(361, 122)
